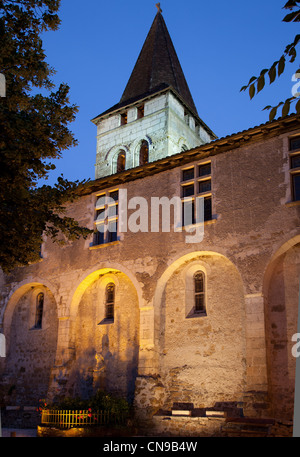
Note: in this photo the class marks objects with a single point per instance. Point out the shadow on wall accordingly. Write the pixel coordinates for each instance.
(281, 307)
(107, 370)
(105, 348)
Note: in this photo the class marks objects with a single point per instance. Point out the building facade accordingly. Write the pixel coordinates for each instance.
(199, 313)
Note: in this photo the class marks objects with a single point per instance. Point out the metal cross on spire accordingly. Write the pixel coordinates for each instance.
(158, 7)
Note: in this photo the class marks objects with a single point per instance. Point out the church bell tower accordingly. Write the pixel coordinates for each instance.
(156, 116)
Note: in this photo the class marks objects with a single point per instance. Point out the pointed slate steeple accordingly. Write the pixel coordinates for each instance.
(157, 67)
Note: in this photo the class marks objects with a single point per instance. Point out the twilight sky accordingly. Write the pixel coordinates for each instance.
(220, 45)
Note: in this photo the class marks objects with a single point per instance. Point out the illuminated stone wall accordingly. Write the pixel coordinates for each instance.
(165, 126)
(239, 352)
(203, 357)
(106, 352)
(31, 351)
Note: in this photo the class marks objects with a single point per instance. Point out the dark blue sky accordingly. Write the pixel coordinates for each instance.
(220, 45)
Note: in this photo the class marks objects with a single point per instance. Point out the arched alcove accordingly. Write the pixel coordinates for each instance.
(281, 299)
(202, 356)
(106, 348)
(31, 335)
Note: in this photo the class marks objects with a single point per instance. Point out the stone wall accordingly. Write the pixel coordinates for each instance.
(202, 357)
(164, 126)
(106, 352)
(30, 351)
(281, 319)
(238, 351)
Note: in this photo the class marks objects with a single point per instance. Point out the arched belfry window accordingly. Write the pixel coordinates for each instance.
(109, 300)
(184, 148)
(199, 291)
(39, 310)
(144, 153)
(121, 161)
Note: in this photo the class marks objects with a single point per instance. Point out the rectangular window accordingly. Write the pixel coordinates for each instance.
(124, 118)
(188, 212)
(204, 186)
(106, 218)
(295, 161)
(296, 187)
(188, 191)
(295, 167)
(295, 143)
(207, 209)
(187, 175)
(204, 170)
(141, 111)
(200, 187)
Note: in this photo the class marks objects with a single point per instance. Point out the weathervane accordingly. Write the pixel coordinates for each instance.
(158, 7)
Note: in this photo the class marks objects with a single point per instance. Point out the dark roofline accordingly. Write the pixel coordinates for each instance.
(119, 106)
(227, 143)
(157, 68)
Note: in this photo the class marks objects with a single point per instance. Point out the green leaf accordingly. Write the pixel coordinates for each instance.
(252, 91)
(272, 74)
(286, 108)
(273, 113)
(243, 88)
(260, 83)
(281, 65)
(267, 107)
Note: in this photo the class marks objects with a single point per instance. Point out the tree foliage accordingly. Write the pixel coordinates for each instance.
(257, 83)
(34, 129)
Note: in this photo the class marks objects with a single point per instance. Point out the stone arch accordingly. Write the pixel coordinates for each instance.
(112, 156)
(15, 295)
(197, 353)
(282, 249)
(136, 147)
(183, 145)
(31, 350)
(105, 350)
(175, 263)
(88, 277)
(281, 298)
